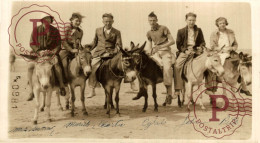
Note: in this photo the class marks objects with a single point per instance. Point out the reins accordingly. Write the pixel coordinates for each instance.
(117, 76)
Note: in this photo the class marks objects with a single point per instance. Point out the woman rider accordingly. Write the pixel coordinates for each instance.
(72, 33)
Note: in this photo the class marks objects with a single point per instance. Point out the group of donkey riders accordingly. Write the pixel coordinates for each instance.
(107, 41)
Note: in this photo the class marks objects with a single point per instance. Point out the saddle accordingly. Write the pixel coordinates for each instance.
(185, 67)
(103, 62)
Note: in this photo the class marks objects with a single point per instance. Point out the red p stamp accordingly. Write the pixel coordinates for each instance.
(224, 115)
(36, 31)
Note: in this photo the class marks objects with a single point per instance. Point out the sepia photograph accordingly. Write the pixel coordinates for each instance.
(149, 70)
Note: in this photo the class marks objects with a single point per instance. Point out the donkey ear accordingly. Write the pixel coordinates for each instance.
(122, 51)
(241, 56)
(143, 46)
(132, 45)
(87, 47)
(30, 57)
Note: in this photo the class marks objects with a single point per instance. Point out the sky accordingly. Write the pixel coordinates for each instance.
(131, 18)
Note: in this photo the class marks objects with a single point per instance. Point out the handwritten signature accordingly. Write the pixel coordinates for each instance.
(148, 122)
(33, 129)
(101, 124)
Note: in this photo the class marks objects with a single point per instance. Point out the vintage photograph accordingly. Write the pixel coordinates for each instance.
(130, 70)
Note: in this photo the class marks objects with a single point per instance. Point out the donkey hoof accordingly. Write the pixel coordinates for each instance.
(192, 101)
(67, 107)
(105, 106)
(35, 122)
(42, 109)
(49, 120)
(164, 104)
(60, 109)
(85, 113)
(144, 110)
(72, 114)
(112, 107)
(156, 109)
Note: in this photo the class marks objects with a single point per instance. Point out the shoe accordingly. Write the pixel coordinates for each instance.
(169, 99)
(62, 91)
(133, 87)
(209, 92)
(31, 96)
(137, 97)
(92, 93)
(247, 92)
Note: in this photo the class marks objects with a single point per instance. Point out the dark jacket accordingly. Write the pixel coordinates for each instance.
(182, 37)
(103, 43)
(46, 41)
(69, 38)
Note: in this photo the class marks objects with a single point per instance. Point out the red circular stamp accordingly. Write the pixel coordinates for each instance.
(224, 115)
(31, 34)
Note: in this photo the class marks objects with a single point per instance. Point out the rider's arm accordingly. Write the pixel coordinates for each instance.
(54, 43)
(33, 45)
(65, 37)
(234, 45)
(119, 40)
(213, 41)
(202, 42)
(148, 49)
(170, 38)
(95, 41)
(179, 42)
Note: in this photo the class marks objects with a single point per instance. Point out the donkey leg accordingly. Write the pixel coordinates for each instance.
(145, 94)
(179, 101)
(82, 98)
(183, 97)
(200, 99)
(37, 105)
(188, 90)
(117, 88)
(43, 102)
(67, 98)
(48, 105)
(73, 98)
(155, 97)
(58, 101)
(107, 92)
(105, 105)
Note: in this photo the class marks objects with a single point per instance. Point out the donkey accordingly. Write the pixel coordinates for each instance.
(43, 81)
(110, 74)
(79, 70)
(238, 71)
(149, 74)
(194, 74)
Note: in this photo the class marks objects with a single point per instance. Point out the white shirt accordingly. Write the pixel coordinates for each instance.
(223, 40)
(191, 38)
(107, 30)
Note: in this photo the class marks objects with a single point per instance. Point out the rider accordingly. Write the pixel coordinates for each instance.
(106, 43)
(49, 40)
(223, 41)
(190, 39)
(161, 52)
(71, 35)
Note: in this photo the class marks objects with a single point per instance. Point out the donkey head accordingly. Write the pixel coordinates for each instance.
(43, 70)
(213, 63)
(245, 67)
(137, 52)
(84, 59)
(128, 65)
